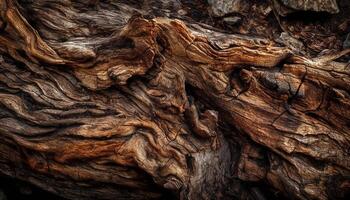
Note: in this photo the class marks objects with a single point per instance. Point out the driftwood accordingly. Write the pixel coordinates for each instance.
(100, 100)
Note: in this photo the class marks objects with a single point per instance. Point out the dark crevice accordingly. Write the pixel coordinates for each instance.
(318, 164)
(14, 189)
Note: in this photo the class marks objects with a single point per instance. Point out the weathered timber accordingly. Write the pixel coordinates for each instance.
(102, 100)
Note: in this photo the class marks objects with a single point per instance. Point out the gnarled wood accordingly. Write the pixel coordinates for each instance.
(99, 100)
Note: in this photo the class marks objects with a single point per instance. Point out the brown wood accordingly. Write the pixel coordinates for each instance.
(102, 100)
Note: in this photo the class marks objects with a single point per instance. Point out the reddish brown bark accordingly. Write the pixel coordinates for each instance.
(101, 100)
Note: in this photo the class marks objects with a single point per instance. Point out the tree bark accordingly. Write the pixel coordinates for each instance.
(106, 100)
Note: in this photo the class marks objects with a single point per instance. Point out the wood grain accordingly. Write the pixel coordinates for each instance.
(100, 101)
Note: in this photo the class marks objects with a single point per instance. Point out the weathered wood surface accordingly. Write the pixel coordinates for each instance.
(103, 100)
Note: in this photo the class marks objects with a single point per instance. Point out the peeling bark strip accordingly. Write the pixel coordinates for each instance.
(97, 102)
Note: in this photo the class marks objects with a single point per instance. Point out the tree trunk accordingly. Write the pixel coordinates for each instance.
(120, 100)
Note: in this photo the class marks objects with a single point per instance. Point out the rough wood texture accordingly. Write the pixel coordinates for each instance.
(102, 100)
(289, 6)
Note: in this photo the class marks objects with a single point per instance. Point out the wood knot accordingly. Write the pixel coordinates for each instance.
(245, 76)
(203, 124)
(172, 183)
